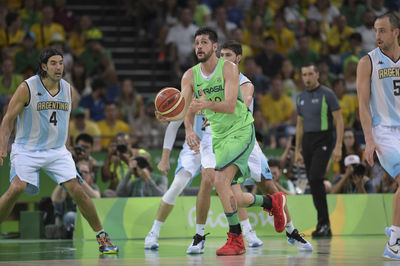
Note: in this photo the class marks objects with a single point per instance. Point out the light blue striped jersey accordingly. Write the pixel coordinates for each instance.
(43, 123)
(242, 80)
(385, 90)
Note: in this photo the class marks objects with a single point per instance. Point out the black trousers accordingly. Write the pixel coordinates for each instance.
(317, 150)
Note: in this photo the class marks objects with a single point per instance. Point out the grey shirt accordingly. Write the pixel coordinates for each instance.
(137, 187)
(316, 107)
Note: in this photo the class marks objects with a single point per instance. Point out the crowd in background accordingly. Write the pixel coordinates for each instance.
(277, 38)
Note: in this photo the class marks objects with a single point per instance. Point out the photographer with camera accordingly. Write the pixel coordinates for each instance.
(354, 179)
(82, 151)
(145, 183)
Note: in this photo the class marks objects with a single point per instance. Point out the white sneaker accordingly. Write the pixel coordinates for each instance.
(295, 239)
(197, 246)
(252, 239)
(150, 242)
(392, 252)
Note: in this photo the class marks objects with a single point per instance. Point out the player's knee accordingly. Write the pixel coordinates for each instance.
(17, 186)
(73, 187)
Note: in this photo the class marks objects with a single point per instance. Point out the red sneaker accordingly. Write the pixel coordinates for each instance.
(278, 210)
(234, 246)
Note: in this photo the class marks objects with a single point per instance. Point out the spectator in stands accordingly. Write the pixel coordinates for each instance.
(94, 102)
(349, 74)
(253, 35)
(279, 112)
(221, 25)
(130, 103)
(141, 181)
(326, 77)
(367, 32)
(9, 81)
(80, 124)
(303, 54)
(354, 11)
(29, 14)
(284, 185)
(293, 16)
(111, 125)
(290, 79)
(338, 38)
(386, 183)
(324, 13)
(354, 179)
(346, 102)
(180, 42)
(168, 17)
(82, 150)
(44, 31)
(259, 80)
(316, 37)
(284, 38)
(64, 206)
(234, 13)
(63, 15)
(12, 36)
(79, 81)
(260, 8)
(26, 59)
(350, 146)
(260, 125)
(97, 59)
(268, 59)
(355, 41)
(115, 165)
(149, 128)
(77, 38)
(201, 12)
(377, 7)
(237, 35)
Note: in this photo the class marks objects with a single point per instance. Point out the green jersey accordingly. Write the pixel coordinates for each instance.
(222, 124)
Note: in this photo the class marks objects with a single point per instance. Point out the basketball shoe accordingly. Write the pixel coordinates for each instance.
(233, 246)
(150, 242)
(105, 245)
(252, 239)
(388, 231)
(296, 239)
(392, 251)
(278, 210)
(197, 246)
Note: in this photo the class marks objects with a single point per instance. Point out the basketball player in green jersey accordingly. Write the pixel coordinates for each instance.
(215, 84)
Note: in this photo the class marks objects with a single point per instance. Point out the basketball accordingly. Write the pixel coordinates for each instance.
(169, 102)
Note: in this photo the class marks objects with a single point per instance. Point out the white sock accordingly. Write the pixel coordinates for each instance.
(200, 228)
(395, 235)
(156, 227)
(289, 227)
(246, 226)
(98, 232)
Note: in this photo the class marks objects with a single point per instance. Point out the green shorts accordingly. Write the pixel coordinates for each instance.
(235, 149)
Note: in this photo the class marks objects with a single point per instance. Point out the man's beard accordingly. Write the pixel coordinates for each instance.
(206, 57)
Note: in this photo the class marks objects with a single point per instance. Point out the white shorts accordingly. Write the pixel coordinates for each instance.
(388, 140)
(57, 163)
(193, 162)
(258, 164)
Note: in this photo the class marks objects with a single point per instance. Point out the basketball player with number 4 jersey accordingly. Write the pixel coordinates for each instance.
(42, 106)
(215, 84)
(378, 90)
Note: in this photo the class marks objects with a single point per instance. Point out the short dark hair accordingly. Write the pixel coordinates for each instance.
(44, 58)
(393, 19)
(84, 137)
(274, 163)
(311, 65)
(98, 83)
(268, 38)
(235, 46)
(10, 18)
(212, 34)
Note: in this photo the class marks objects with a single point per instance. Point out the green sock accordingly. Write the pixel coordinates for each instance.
(232, 217)
(258, 200)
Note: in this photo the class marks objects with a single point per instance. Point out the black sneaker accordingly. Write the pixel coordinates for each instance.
(322, 231)
(296, 239)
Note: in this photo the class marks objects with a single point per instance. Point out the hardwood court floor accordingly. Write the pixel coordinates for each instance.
(348, 250)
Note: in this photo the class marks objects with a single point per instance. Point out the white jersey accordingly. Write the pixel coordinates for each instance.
(242, 80)
(385, 90)
(43, 123)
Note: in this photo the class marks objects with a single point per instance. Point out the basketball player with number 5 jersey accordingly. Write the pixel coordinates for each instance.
(42, 106)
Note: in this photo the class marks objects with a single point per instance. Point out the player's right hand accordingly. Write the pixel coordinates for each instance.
(193, 140)
(370, 148)
(163, 166)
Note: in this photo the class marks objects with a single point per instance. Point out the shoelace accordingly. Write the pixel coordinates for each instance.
(299, 237)
(105, 241)
(198, 238)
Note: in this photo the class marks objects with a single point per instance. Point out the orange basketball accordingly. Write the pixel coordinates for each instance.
(169, 102)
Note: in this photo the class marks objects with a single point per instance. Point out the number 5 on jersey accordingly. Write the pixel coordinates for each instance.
(53, 118)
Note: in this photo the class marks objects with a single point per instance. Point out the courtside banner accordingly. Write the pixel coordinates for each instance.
(132, 218)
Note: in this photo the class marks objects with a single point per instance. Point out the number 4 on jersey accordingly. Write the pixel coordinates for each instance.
(53, 118)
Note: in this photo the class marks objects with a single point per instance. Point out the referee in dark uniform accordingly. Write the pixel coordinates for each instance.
(317, 106)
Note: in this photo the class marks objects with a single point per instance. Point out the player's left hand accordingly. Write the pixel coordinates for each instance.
(199, 104)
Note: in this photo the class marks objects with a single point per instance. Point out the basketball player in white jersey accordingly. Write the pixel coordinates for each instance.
(42, 106)
(258, 162)
(189, 164)
(378, 90)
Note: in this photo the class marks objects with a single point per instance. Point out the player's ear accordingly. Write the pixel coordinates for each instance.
(239, 58)
(44, 67)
